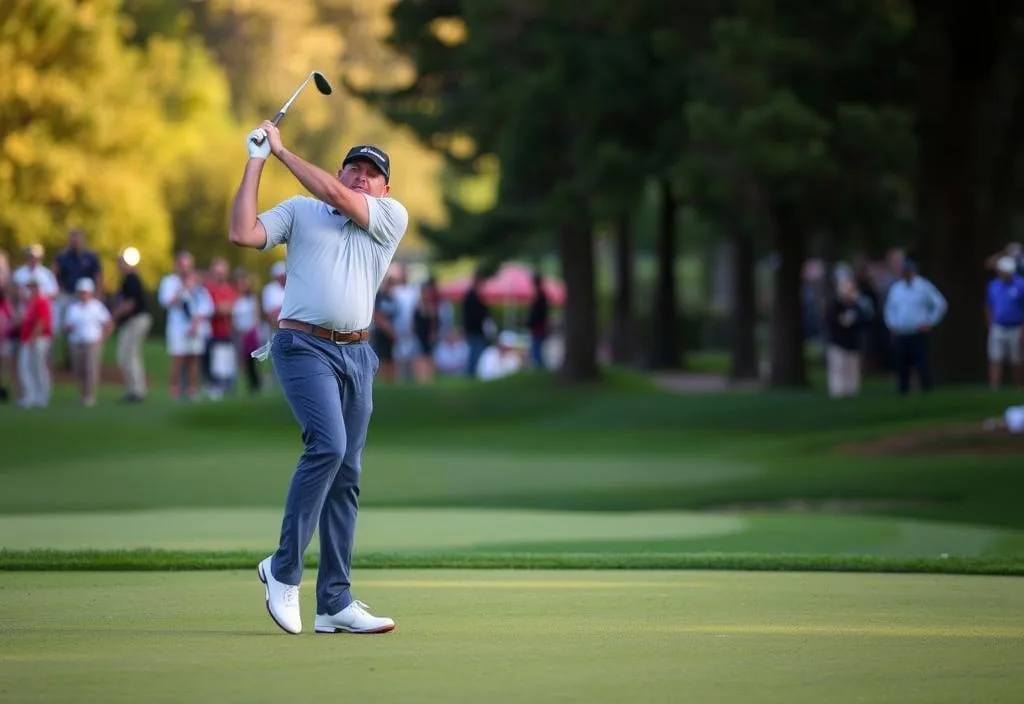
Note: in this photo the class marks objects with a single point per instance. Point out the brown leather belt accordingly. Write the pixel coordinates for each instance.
(336, 336)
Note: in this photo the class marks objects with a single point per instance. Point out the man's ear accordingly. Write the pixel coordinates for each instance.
(339, 173)
(387, 189)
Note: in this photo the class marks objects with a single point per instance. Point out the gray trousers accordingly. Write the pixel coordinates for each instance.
(85, 361)
(330, 390)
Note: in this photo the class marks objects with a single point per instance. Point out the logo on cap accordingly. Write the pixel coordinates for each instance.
(370, 150)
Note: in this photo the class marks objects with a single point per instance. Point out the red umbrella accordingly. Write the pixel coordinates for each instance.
(513, 284)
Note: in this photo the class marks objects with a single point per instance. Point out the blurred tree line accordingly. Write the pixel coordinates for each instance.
(788, 127)
(128, 117)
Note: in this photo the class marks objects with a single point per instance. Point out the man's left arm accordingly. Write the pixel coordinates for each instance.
(324, 186)
(939, 305)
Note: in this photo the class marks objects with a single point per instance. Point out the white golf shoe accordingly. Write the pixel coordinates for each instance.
(354, 618)
(282, 600)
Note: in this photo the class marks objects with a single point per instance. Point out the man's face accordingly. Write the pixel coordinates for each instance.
(184, 265)
(363, 176)
(83, 295)
(76, 239)
(895, 258)
(219, 270)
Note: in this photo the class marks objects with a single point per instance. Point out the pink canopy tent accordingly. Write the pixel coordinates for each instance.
(513, 284)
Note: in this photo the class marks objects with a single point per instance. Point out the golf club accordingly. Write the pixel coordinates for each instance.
(321, 85)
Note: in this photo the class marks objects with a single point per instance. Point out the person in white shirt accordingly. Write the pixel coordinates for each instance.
(189, 308)
(87, 323)
(245, 324)
(273, 294)
(451, 355)
(502, 359)
(33, 267)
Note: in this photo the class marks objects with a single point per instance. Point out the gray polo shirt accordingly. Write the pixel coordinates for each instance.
(334, 266)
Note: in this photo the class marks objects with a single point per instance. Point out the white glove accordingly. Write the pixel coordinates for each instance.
(258, 151)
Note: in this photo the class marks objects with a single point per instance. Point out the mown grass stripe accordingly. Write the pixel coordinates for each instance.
(170, 560)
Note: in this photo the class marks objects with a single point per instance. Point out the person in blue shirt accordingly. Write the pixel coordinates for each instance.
(1004, 312)
(913, 308)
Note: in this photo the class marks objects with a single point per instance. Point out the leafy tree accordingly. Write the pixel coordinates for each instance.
(792, 138)
(78, 134)
(970, 123)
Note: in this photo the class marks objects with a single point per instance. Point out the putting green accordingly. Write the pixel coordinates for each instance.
(524, 531)
(513, 636)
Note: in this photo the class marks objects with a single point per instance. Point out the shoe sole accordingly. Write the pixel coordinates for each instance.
(323, 630)
(263, 579)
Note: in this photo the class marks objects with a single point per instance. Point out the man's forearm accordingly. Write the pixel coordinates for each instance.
(324, 186)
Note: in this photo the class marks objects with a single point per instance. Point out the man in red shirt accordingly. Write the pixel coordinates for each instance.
(219, 359)
(34, 350)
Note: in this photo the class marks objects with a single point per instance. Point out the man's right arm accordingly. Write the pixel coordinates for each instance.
(246, 230)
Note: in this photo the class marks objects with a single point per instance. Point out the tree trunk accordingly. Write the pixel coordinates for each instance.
(623, 348)
(576, 251)
(744, 314)
(968, 112)
(788, 362)
(665, 349)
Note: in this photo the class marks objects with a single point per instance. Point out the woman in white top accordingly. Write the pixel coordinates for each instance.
(189, 309)
(88, 324)
(245, 320)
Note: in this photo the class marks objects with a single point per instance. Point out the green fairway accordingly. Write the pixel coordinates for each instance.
(498, 530)
(506, 636)
(523, 467)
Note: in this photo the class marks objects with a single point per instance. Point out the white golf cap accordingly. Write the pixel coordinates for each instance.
(85, 285)
(279, 269)
(1006, 265)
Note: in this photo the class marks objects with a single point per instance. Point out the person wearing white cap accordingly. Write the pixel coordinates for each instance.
(1004, 311)
(273, 294)
(271, 302)
(88, 324)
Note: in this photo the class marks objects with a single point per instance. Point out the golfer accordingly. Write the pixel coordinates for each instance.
(340, 243)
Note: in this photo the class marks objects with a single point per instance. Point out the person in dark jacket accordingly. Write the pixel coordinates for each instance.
(846, 320)
(477, 322)
(538, 322)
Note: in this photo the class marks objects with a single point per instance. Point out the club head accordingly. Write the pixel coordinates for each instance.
(321, 83)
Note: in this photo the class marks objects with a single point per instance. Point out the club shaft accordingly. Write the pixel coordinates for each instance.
(284, 108)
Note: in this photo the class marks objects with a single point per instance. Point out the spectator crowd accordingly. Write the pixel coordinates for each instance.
(881, 316)
(59, 317)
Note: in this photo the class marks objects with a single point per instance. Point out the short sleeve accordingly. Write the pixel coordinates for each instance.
(168, 287)
(102, 313)
(388, 220)
(278, 222)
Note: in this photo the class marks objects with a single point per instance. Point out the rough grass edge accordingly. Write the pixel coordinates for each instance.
(188, 560)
